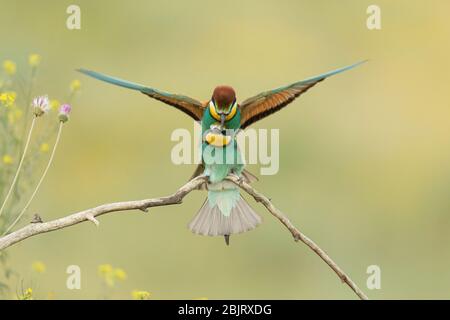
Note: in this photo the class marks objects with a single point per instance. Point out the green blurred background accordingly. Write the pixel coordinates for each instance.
(364, 156)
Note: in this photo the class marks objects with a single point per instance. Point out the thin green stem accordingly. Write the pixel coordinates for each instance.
(40, 181)
(27, 101)
(19, 167)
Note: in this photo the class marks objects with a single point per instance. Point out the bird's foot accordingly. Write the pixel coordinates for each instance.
(239, 178)
(206, 176)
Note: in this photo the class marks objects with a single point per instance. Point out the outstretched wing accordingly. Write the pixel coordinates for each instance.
(188, 105)
(268, 102)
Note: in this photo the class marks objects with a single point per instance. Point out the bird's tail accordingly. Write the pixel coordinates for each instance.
(224, 213)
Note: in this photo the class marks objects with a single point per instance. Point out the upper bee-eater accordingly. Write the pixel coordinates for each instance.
(224, 212)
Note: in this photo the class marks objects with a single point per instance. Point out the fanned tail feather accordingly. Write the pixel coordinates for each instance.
(210, 221)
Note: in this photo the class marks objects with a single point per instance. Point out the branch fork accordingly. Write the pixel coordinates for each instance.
(91, 218)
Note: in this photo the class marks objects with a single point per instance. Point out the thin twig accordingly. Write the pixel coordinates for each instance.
(61, 124)
(176, 198)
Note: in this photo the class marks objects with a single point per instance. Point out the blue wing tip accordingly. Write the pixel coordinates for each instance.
(358, 63)
(112, 80)
(350, 66)
(332, 73)
(345, 68)
(85, 71)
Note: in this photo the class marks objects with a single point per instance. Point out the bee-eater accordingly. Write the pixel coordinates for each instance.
(224, 212)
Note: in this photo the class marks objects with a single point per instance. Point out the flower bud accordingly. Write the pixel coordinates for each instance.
(34, 60)
(75, 85)
(64, 112)
(9, 67)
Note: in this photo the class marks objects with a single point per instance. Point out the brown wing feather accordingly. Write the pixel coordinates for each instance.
(192, 108)
(268, 103)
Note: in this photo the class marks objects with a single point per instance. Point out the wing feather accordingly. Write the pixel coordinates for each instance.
(268, 102)
(185, 104)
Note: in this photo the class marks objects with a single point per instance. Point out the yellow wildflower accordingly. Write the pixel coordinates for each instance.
(38, 266)
(120, 274)
(105, 269)
(44, 147)
(9, 67)
(7, 159)
(8, 98)
(34, 60)
(75, 85)
(27, 295)
(140, 295)
(54, 104)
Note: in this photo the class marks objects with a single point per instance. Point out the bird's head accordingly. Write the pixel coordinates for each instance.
(223, 105)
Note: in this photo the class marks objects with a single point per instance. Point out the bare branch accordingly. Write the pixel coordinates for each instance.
(259, 197)
(176, 198)
(91, 214)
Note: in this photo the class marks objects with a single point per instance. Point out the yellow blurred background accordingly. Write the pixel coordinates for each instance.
(364, 156)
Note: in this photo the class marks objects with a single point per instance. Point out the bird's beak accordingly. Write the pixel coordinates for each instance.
(222, 121)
